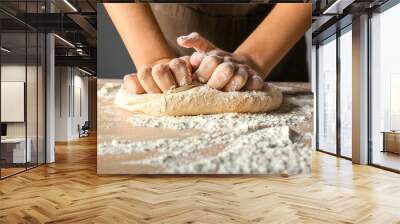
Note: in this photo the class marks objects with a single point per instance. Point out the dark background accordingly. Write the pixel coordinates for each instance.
(113, 60)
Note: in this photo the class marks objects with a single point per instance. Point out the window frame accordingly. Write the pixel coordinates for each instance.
(336, 35)
(27, 29)
(377, 10)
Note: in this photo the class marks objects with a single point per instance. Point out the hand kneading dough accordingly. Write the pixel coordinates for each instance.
(200, 100)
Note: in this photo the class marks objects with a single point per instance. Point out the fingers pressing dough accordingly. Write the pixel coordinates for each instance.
(195, 59)
(221, 76)
(207, 67)
(187, 61)
(163, 77)
(254, 81)
(132, 84)
(238, 80)
(180, 71)
(146, 80)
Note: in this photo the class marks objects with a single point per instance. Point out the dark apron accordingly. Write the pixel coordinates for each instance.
(227, 26)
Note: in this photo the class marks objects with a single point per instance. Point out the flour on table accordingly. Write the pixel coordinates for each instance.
(229, 143)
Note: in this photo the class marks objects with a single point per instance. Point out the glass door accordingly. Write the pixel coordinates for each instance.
(385, 89)
(22, 77)
(326, 102)
(14, 153)
(345, 59)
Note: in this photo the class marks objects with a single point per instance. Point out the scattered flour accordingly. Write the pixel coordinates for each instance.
(229, 143)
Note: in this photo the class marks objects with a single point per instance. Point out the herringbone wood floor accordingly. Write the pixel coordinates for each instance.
(69, 191)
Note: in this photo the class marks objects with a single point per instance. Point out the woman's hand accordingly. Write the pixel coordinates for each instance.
(220, 69)
(160, 76)
(217, 68)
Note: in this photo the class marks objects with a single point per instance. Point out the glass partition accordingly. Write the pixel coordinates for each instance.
(34, 51)
(14, 153)
(22, 78)
(385, 89)
(327, 96)
(41, 97)
(31, 97)
(346, 92)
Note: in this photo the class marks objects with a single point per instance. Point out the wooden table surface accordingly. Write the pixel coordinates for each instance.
(113, 124)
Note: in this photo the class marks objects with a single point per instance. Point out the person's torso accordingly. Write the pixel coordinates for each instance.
(225, 25)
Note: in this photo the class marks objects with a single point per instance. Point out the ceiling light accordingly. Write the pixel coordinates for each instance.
(84, 71)
(70, 5)
(5, 50)
(65, 41)
(337, 7)
(80, 51)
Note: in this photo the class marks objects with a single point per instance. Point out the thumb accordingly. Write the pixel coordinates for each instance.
(196, 41)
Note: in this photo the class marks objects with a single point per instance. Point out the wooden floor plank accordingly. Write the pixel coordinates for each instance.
(70, 191)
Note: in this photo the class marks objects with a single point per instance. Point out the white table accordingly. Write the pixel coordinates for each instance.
(18, 151)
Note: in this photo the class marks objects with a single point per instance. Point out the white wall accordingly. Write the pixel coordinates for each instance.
(62, 82)
(79, 117)
(70, 83)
